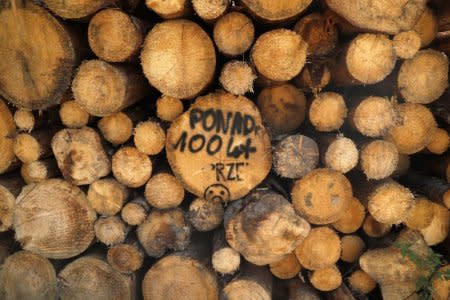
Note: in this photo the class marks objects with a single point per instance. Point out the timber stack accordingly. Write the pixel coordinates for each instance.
(224, 149)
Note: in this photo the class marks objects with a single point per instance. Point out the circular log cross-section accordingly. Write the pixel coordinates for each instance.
(234, 33)
(178, 277)
(279, 55)
(92, 278)
(115, 36)
(27, 276)
(54, 208)
(38, 55)
(101, 88)
(219, 148)
(178, 58)
(322, 196)
(276, 11)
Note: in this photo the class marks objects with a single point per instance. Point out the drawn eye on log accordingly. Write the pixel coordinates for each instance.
(217, 192)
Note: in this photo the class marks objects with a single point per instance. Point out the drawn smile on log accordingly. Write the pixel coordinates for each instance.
(217, 192)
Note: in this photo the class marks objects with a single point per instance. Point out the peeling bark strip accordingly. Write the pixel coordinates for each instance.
(219, 148)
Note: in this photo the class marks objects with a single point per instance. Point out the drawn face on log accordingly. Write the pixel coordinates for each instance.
(217, 192)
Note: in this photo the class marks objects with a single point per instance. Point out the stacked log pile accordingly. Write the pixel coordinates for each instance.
(221, 149)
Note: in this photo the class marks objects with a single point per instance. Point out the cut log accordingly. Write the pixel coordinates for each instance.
(276, 12)
(149, 137)
(107, 196)
(367, 59)
(169, 9)
(234, 33)
(30, 147)
(373, 116)
(282, 107)
(322, 196)
(423, 78)
(181, 275)
(352, 219)
(93, 278)
(295, 156)
(266, 229)
(209, 11)
(396, 275)
(441, 285)
(225, 260)
(205, 215)
(252, 283)
(439, 228)
(326, 279)
(127, 257)
(24, 120)
(219, 147)
(72, 115)
(361, 282)
(75, 10)
(375, 229)
(114, 86)
(116, 128)
(35, 75)
(131, 167)
(406, 44)
(237, 77)
(164, 230)
(110, 230)
(319, 32)
(421, 215)
(426, 27)
(339, 153)
(379, 159)
(168, 108)
(163, 191)
(275, 62)
(328, 111)
(414, 130)
(390, 202)
(320, 249)
(440, 142)
(39, 171)
(389, 17)
(27, 276)
(135, 212)
(352, 248)
(72, 219)
(115, 36)
(80, 155)
(178, 58)
(299, 290)
(7, 132)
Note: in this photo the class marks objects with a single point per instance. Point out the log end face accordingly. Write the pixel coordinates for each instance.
(322, 196)
(279, 55)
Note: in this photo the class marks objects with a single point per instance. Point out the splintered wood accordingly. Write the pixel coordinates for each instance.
(224, 149)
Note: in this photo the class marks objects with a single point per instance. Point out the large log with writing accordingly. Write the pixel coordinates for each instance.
(219, 147)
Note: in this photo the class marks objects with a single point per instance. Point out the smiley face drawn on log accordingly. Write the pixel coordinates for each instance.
(217, 192)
